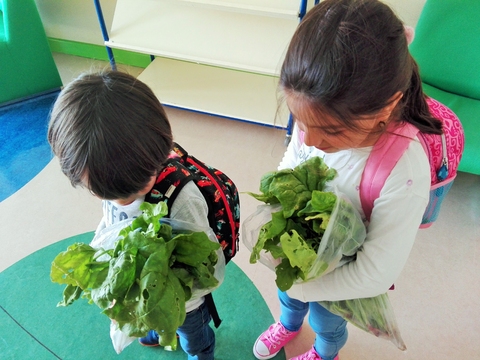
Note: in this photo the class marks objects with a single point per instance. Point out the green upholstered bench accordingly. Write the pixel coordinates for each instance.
(447, 49)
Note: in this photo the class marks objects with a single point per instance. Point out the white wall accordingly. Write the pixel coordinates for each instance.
(77, 20)
(407, 10)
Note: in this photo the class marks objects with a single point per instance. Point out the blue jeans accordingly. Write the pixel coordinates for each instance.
(196, 336)
(330, 329)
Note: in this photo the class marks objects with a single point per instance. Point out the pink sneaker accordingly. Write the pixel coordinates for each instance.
(310, 355)
(272, 341)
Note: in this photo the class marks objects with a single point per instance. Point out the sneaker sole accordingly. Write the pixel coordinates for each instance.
(263, 357)
(148, 345)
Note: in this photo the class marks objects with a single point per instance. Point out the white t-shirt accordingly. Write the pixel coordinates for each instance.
(395, 220)
(189, 206)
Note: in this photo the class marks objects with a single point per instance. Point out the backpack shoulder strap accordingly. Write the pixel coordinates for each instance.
(180, 151)
(169, 183)
(384, 156)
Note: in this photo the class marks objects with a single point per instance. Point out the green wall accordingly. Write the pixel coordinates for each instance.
(98, 52)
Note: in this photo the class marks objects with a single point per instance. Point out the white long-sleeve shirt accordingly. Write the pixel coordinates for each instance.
(395, 220)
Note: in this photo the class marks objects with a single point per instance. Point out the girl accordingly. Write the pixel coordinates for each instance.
(112, 136)
(346, 78)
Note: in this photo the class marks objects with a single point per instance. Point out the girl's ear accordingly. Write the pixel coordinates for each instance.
(392, 103)
(383, 116)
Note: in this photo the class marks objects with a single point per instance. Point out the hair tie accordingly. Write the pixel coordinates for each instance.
(409, 33)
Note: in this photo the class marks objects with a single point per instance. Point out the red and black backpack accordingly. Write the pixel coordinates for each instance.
(220, 194)
(218, 189)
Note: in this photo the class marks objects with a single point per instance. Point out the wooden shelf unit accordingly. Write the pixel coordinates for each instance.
(216, 56)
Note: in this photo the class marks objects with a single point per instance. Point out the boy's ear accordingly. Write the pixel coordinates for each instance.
(149, 186)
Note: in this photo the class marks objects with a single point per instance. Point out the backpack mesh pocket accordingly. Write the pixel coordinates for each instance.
(437, 194)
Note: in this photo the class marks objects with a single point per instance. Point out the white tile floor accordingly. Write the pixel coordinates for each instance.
(437, 297)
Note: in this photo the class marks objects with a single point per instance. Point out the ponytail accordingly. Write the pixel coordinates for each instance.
(415, 108)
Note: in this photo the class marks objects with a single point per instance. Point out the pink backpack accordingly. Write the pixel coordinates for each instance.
(444, 153)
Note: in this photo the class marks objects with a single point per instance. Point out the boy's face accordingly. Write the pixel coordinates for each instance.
(131, 198)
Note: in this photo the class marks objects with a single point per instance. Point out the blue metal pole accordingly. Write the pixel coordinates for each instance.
(288, 137)
(303, 9)
(103, 27)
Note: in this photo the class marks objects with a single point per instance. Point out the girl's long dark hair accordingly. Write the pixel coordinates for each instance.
(348, 59)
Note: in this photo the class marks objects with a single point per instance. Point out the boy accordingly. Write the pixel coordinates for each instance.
(112, 135)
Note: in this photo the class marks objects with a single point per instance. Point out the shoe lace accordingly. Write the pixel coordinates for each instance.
(311, 355)
(278, 334)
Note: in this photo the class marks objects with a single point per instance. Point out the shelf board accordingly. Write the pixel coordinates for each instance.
(185, 31)
(218, 91)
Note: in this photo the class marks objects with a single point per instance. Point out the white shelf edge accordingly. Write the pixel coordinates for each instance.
(225, 116)
(193, 59)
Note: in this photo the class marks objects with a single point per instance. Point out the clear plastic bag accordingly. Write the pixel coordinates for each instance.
(251, 228)
(374, 315)
(120, 340)
(343, 237)
(107, 238)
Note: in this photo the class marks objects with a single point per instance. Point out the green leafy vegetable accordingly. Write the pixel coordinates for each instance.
(148, 277)
(293, 187)
(295, 232)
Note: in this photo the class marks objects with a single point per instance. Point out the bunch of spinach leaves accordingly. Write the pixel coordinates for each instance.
(294, 233)
(148, 278)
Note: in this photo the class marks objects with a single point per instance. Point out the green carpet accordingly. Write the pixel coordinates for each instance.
(32, 327)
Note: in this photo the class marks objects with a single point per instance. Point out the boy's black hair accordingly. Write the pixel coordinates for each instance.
(110, 133)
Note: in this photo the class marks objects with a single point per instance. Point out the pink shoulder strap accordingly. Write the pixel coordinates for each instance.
(383, 158)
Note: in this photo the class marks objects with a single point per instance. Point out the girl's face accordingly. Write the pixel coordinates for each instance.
(331, 135)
